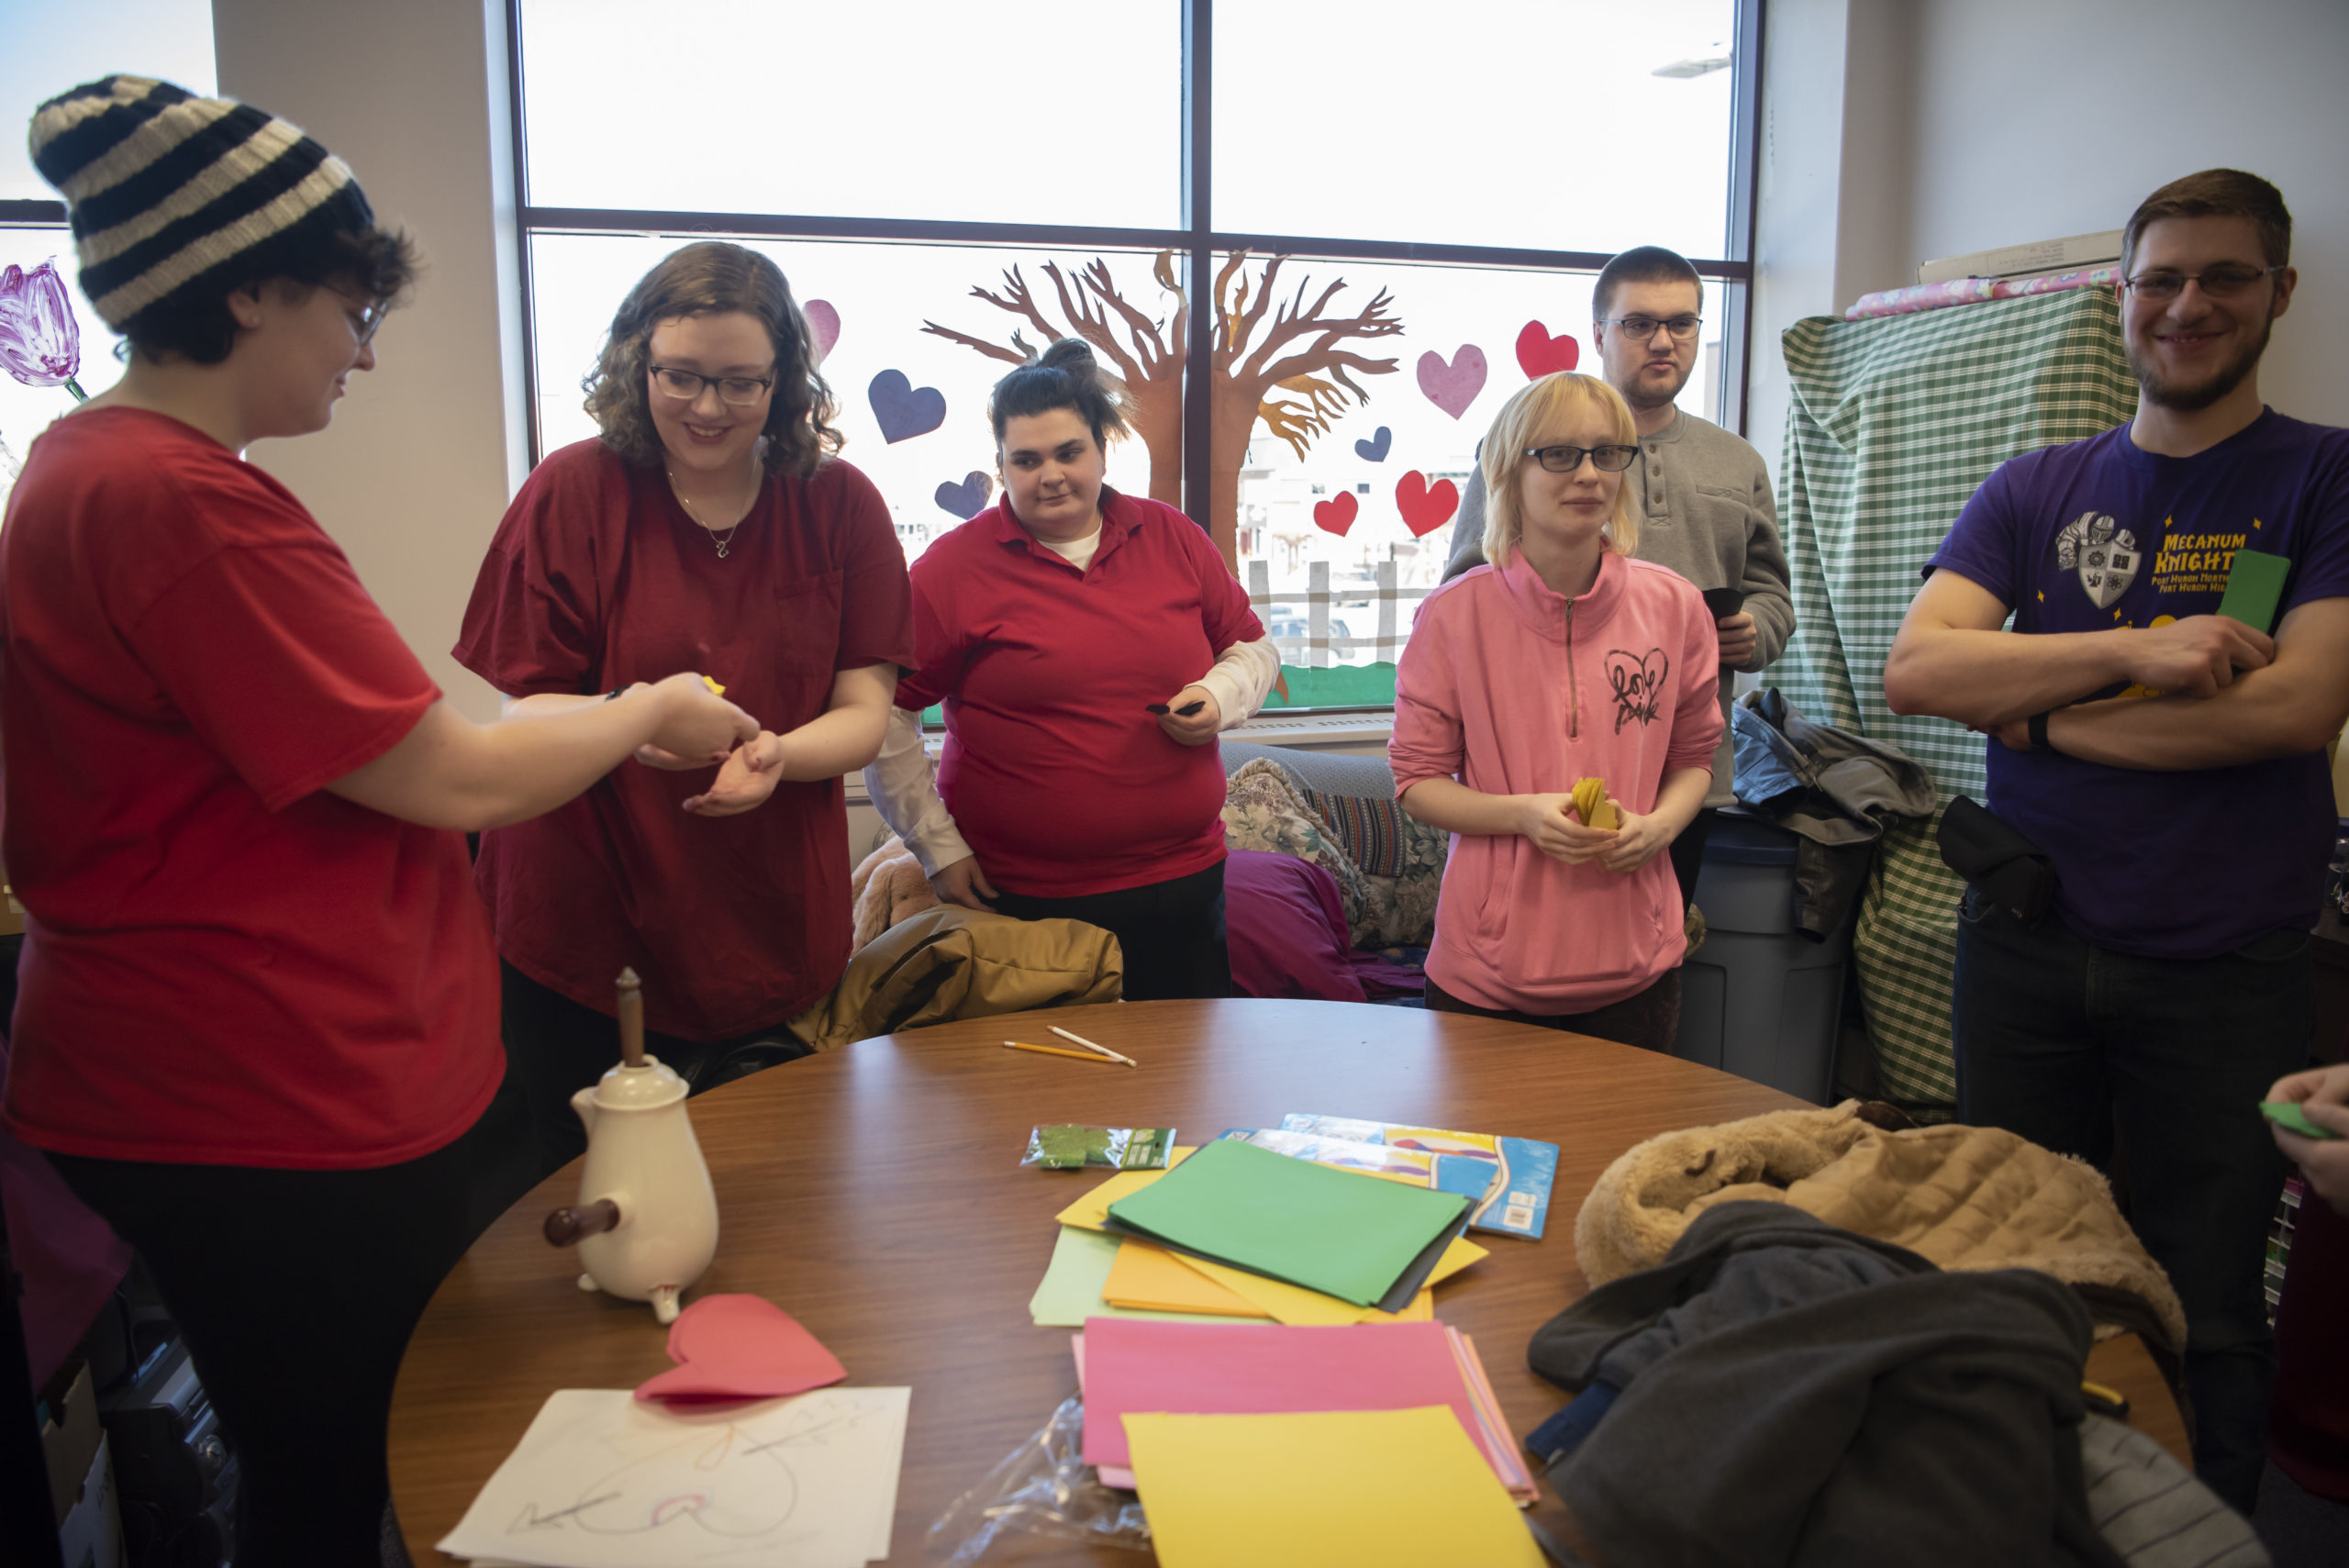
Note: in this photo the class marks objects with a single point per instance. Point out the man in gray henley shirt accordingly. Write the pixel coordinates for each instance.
(1707, 513)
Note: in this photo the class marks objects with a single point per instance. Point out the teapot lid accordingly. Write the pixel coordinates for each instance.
(639, 1088)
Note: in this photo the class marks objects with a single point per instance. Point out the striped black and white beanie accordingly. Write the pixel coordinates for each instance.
(166, 188)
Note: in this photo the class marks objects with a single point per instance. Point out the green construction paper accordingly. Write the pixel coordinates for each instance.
(1071, 1291)
(2288, 1114)
(2254, 587)
(1342, 685)
(1339, 1232)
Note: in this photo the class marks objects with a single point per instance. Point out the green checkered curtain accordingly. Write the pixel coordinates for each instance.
(1895, 423)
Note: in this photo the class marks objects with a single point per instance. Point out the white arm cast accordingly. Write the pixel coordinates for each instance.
(904, 788)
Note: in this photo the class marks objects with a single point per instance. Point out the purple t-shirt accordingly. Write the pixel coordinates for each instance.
(2098, 534)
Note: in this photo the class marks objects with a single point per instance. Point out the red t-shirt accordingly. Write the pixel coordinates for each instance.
(597, 579)
(224, 963)
(1058, 777)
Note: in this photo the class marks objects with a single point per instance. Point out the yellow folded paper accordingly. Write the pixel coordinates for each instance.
(1295, 1305)
(1153, 1279)
(1593, 806)
(1089, 1212)
(1346, 1486)
(715, 689)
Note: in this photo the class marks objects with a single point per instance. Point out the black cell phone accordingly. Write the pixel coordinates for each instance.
(1723, 603)
(1185, 711)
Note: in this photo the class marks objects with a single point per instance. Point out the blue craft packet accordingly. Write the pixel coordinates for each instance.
(1508, 1178)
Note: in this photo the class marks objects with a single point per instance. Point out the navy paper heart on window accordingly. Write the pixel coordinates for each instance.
(968, 499)
(903, 409)
(1375, 449)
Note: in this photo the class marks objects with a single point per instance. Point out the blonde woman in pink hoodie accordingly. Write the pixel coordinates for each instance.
(1564, 661)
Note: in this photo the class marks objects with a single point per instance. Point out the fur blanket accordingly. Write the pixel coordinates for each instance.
(1965, 1197)
(886, 888)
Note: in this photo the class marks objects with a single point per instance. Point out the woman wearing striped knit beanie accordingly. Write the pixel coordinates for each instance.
(257, 1027)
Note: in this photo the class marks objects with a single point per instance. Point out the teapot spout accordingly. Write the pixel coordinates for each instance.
(584, 1102)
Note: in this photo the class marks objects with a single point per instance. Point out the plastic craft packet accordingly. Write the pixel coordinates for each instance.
(1067, 1147)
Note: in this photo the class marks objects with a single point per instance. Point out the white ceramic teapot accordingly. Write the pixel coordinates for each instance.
(646, 1224)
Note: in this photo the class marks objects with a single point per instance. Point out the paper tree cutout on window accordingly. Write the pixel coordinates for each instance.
(1265, 347)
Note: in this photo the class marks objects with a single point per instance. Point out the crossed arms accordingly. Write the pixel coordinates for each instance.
(2232, 694)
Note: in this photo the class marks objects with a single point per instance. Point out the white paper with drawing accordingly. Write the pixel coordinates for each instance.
(602, 1480)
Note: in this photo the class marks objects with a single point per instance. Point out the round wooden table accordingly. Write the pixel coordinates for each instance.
(875, 1194)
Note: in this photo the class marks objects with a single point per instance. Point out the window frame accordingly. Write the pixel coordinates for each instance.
(1196, 244)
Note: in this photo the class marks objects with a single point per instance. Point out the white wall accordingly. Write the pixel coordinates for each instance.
(1899, 130)
(425, 451)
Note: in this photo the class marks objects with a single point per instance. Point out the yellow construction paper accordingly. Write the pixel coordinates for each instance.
(1341, 1488)
(1089, 1212)
(1149, 1278)
(1293, 1303)
(715, 689)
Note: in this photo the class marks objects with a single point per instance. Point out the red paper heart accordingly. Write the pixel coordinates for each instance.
(1539, 354)
(741, 1347)
(1425, 508)
(1337, 514)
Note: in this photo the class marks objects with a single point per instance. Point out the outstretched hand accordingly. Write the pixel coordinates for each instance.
(962, 882)
(744, 779)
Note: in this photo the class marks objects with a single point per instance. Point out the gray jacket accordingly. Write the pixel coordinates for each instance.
(1705, 510)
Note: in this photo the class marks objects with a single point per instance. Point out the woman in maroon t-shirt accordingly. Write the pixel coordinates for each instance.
(708, 523)
(1087, 646)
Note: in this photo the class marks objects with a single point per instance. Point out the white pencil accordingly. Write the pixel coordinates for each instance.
(1089, 1045)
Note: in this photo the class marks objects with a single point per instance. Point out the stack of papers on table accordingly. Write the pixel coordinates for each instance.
(604, 1480)
(1340, 1486)
(1370, 1242)
(1126, 1367)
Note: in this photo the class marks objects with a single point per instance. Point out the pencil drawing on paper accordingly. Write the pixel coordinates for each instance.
(732, 1480)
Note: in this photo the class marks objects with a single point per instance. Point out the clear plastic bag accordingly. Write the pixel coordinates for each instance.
(1042, 1488)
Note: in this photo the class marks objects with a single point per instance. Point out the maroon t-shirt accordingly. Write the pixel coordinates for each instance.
(224, 964)
(597, 579)
(1058, 776)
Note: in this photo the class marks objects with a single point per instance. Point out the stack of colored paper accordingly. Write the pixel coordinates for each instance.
(1125, 1367)
(1094, 1274)
(1370, 1242)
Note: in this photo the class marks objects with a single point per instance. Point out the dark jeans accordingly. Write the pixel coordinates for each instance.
(296, 1291)
(2068, 1044)
(1687, 854)
(555, 1047)
(1650, 1020)
(1172, 932)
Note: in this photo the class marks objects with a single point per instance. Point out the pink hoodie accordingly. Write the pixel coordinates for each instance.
(1517, 690)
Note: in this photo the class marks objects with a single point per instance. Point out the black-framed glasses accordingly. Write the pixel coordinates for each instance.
(685, 386)
(364, 318)
(1566, 459)
(2220, 281)
(1641, 328)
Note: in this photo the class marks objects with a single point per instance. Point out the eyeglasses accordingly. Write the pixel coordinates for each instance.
(364, 318)
(2219, 282)
(1566, 459)
(685, 386)
(1641, 328)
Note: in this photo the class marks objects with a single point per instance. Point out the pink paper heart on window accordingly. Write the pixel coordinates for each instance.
(741, 1347)
(825, 323)
(1452, 386)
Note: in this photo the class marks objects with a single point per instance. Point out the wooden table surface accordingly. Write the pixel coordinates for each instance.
(875, 1193)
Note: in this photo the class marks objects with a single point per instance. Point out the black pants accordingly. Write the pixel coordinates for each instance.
(1172, 932)
(1650, 1019)
(556, 1047)
(297, 1291)
(1687, 854)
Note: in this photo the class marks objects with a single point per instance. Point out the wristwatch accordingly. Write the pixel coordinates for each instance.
(2036, 726)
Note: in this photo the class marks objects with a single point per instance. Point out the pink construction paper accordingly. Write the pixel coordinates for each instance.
(741, 1347)
(1216, 1368)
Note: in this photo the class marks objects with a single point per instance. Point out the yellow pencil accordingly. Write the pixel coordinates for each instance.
(1056, 1051)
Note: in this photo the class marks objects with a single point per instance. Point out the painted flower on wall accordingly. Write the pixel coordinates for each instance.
(39, 344)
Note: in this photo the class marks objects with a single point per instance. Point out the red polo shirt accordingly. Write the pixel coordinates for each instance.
(1057, 774)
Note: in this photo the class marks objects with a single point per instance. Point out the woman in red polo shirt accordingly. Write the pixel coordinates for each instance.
(708, 527)
(1088, 647)
(257, 1029)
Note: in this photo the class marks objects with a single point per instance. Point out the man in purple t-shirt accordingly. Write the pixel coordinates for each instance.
(2169, 763)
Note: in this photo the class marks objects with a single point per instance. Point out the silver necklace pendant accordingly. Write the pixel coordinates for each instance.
(723, 545)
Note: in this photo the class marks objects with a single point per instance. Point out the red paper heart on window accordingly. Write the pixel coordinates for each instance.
(1539, 354)
(1337, 514)
(1425, 508)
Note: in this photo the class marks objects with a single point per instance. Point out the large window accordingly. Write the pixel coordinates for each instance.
(1323, 242)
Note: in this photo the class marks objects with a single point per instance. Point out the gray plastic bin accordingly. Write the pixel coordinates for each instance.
(1759, 999)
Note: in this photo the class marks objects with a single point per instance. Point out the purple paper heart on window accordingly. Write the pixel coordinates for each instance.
(968, 499)
(903, 409)
(41, 343)
(824, 322)
(1375, 449)
(1452, 388)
